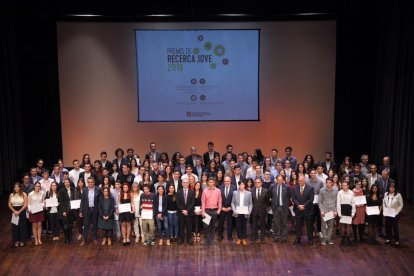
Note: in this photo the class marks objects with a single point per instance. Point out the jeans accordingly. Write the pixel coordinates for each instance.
(162, 226)
(148, 229)
(327, 227)
(172, 225)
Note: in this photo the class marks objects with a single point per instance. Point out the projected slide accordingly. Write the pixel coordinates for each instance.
(198, 75)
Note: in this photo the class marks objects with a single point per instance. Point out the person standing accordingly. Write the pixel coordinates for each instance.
(146, 208)
(358, 222)
(160, 214)
(317, 185)
(226, 211)
(280, 196)
(327, 203)
(89, 210)
(304, 210)
(242, 198)
(52, 212)
(36, 217)
(185, 210)
(125, 218)
(65, 213)
(346, 207)
(211, 204)
(393, 200)
(136, 197)
(18, 204)
(106, 209)
(261, 201)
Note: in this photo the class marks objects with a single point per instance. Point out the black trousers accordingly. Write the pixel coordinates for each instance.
(185, 225)
(241, 227)
(90, 218)
(391, 228)
(300, 221)
(54, 223)
(67, 226)
(259, 223)
(225, 216)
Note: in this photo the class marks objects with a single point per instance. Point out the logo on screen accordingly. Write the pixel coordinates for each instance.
(202, 81)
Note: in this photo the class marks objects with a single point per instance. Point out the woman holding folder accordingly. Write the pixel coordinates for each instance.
(358, 222)
(242, 206)
(346, 210)
(18, 204)
(374, 202)
(393, 204)
(36, 214)
(78, 195)
(52, 211)
(126, 214)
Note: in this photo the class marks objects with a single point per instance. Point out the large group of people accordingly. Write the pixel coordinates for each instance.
(191, 199)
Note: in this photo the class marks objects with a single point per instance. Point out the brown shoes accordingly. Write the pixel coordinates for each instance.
(109, 242)
(238, 242)
(244, 242)
(103, 241)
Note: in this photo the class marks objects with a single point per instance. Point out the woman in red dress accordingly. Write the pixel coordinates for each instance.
(358, 222)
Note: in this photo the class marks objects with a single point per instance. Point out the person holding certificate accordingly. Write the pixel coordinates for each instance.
(52, 212)
(373, 200)
(36, 214)
(345, 206)
(78, 196)
(18, 204)
(65, 213)
(106, 209)
(358, 222)
(136, 197)
(197, 218)
(172, 214)
(126, 213)
(160, 214)
(328, 206)
(242, 206)
(393, 204)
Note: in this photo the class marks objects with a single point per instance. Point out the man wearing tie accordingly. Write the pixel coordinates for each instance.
(280, 194)
(65, 213)
(259, 213)
(185, 206)
(304, 210)
(226, 212)
(383, 183)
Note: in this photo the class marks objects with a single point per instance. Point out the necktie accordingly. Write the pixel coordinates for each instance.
(227, 191)
(259, 192)
(301, 191)
(185, 196)
(280, 195)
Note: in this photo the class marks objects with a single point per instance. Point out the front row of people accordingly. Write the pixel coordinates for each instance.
(179, 216)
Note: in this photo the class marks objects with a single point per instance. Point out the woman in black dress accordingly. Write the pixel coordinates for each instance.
(126, 218)
(78, 196)
(373, 199)
(197, 218)
(106, 211)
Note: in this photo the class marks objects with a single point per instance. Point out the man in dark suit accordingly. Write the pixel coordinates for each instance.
(89, 210)
(191, 159)
(105, 163)
(175, 181)
(259, 213)
(328, 163)
(226, 213)
(185, 211)
(280, 195)
(34, 177)
(209, 155)
(57, 176)
(386, 164)
(199, 168)
(229, 149)
(153, 151)
(303, 205)
(65, 213)
(237, 177)
(88, 173)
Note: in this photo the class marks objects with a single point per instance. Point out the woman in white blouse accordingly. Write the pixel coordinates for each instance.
(52, 212)
(136, 196)
(394, 201)
(36, 213)
(18, 204)
(346, 211)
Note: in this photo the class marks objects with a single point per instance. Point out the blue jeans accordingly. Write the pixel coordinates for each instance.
(162, 232)
(173, 225)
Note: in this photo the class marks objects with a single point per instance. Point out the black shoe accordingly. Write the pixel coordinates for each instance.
(296, 242)
(275, 240)
(343, 241)
(310, 243)
(190, 243)
(180, 242)
(230, 239)
(219, 239)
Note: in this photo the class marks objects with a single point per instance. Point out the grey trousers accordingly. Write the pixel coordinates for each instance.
(326, 229)
(280, 223)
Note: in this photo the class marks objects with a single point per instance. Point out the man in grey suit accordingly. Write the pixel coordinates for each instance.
(241, 198)
(280, 194)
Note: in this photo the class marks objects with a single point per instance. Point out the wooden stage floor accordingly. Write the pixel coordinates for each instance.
(222, 259)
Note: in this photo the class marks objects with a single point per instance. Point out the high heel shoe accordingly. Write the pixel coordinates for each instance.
(103, 241)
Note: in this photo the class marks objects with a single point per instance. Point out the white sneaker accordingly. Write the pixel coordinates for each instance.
(320, 235)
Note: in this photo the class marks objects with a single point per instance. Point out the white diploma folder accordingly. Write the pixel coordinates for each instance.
(346, 220)
(242, 210)
(328, 216)
(360, 200)
(75, 204)
(372, 210)
(207, 219)
(124, 208)
(389, 212)
(52, 202)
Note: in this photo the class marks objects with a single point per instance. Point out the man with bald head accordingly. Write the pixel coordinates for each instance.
(303, 205)
(226, 214)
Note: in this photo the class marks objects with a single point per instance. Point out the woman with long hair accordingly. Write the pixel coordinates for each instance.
(345, 208)
(394, 201)
(36, 214)
(172, 215)
(197, 218)
(125, 218)
(160, 214)
(373, 199)
(358, 222)
(106, 209)
(52, 212)
(18, 204)
(136, 193)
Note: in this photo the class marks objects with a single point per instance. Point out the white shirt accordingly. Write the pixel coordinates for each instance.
(74, 175)
(237, 177)
(185, 176)
(138, 178)
(322, 177)
(241, 198)
(45, 184)
(251, 173)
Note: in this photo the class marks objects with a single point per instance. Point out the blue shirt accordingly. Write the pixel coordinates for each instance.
(91, 197)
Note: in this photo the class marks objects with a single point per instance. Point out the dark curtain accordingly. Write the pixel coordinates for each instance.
(29, 105)
(393, 131)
